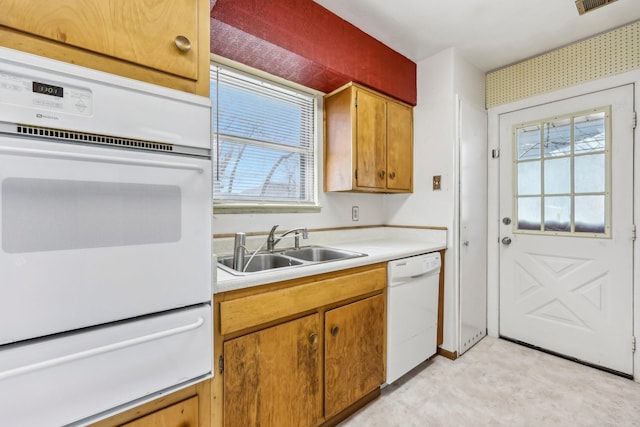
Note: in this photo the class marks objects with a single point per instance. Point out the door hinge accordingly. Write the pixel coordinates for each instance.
(633, 232)
(221, 364)
(633, 344)
(634, 120)
(495, 153)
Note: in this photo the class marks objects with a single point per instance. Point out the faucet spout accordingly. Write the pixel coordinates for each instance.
(272, 241)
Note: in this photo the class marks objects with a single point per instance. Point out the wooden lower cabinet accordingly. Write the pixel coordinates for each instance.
(300, 353)
(354, 352)
(273, 377)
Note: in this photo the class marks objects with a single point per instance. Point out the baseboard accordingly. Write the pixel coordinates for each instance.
(453, 355)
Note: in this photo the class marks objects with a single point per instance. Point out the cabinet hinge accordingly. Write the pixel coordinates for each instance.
(356, 101)
(221, 364)
(633, 344)
(633, 232)
(356, 174)
(634, 120)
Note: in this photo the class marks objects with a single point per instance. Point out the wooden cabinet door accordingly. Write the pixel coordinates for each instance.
(371, 141)
(137, 31)
(399, 147)
(354, 352)
(273, 377)
(182, 414)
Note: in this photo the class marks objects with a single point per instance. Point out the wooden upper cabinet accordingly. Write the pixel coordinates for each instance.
(273, 377)
(162, 42)
(368, 142)
(354, 352)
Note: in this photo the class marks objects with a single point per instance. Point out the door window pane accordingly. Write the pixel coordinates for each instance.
(557, 213)
(557, 176)
(589, 133)
(557, 138)
(529, 178)
(529, 213)
(590, 173)
(590, 214)
(528, 142)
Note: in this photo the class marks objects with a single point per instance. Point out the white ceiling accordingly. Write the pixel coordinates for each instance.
(488, 33)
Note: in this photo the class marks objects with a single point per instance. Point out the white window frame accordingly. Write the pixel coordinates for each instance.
(224, 206)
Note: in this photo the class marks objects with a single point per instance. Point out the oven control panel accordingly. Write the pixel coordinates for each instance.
(45, 95)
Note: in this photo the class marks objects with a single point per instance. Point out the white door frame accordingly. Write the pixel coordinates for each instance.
(493, 214)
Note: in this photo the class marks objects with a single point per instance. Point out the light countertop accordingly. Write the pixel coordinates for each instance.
(381, 244)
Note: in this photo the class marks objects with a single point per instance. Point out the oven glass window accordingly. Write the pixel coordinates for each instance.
(49, 215)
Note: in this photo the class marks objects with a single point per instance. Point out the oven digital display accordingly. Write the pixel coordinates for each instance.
(48, 89)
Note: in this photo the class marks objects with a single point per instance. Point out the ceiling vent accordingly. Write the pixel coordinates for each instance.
(585, 6)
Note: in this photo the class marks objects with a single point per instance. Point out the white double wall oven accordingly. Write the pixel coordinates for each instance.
(105, 241)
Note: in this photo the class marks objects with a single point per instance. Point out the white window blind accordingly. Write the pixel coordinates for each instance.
(263, 140)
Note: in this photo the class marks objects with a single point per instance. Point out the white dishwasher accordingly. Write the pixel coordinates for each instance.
(412, 312)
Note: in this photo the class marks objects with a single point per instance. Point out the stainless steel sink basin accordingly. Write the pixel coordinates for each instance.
(320, 254)
(260, 262)
(287, 258)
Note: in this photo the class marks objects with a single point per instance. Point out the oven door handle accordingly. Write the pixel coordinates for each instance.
(100, 350)
(96, 158)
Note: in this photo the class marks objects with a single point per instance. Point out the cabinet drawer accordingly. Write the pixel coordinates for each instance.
(254, 310)
(183, 414)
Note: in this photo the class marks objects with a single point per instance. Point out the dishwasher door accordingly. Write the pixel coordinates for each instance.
(412, 312)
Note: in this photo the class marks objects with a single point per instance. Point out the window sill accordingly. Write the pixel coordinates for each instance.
(238, 208)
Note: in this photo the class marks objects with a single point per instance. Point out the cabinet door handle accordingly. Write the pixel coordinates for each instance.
(392, 175)
(335, 330)
(313, 338)
(182, 43)
(382, 173)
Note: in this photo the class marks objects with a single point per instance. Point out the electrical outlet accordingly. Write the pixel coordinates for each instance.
(437, 179)
(355, 213)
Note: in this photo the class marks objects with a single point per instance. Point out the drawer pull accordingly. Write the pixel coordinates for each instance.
(335, 331)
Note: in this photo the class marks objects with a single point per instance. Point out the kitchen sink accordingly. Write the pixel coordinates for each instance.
(260, 262)
(320, 254)
(287, 258)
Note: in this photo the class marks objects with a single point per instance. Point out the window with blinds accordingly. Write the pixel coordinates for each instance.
(263, 140)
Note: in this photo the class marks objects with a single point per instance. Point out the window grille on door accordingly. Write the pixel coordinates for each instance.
(562, 174)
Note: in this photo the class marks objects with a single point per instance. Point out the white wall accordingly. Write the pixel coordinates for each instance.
(440, 78)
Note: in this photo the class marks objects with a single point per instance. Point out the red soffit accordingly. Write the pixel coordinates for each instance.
(303, 42)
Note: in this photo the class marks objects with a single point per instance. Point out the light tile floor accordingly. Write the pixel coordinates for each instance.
(498, 383)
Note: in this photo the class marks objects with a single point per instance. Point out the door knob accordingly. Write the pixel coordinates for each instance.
(335, 330)
(506, 241)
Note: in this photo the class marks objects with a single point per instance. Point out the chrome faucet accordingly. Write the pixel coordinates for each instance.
(272, 241)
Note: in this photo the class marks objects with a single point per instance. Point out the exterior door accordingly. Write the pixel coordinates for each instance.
(566, 227)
